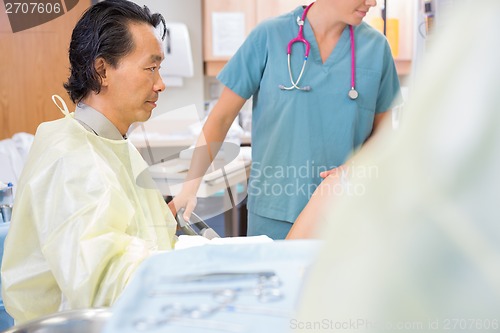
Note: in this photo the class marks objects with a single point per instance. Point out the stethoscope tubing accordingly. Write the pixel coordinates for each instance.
(295, 84)
(353, 94)
(353, 58)
(299, 39)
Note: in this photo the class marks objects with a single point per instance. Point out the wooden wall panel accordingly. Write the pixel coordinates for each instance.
(211, 6)
(33, 66)
(255, 11)
(270, 8)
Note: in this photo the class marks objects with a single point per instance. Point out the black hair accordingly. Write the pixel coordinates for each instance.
(103, 31)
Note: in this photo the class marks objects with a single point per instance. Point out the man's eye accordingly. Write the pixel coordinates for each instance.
(154, 68)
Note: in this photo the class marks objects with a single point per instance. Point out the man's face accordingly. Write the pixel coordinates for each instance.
(133, 86)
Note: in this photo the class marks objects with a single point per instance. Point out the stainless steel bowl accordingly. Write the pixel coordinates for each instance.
(73, 321)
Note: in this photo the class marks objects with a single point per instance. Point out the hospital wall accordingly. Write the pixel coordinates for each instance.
(191, 92)
(34, 65)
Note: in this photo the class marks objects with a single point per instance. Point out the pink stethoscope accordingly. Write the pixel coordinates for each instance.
(353, 93)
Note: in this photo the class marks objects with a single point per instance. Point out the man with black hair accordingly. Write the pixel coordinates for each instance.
(87, 213)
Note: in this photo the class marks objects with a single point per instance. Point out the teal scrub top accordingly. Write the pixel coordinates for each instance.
(297, 134)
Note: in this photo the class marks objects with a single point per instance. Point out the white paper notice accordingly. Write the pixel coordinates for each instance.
(228, 32)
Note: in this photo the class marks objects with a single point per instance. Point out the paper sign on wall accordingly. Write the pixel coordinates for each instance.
(228, 32)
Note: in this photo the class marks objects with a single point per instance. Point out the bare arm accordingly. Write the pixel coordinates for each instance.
(314, 213)
(213, 134)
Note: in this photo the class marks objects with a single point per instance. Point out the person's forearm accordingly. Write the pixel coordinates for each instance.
(208, 145)
(213, 134)
(379, 123)
(315, 212)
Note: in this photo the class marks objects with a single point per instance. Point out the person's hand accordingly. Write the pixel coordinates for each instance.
(186, 200)
(315, 213)
(333, 171)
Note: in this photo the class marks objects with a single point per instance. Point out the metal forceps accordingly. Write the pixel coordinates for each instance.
(224, 276)
(266, 289)
(199, 315)
(264, 294)
(223, 289)
(192, 316)
(146, 324)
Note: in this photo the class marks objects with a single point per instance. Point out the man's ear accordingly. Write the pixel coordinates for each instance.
(100, 66)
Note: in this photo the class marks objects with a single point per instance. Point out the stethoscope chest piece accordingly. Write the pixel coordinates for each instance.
(353, 94)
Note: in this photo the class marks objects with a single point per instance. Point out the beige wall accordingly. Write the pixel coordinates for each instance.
(188, 12)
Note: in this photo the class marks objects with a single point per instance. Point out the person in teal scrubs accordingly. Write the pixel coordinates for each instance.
(300, 136)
